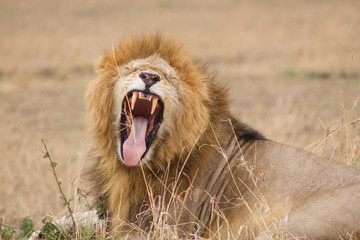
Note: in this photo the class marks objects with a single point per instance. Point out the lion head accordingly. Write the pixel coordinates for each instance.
(149, 102)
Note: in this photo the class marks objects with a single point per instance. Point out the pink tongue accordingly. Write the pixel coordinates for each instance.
(135, 146)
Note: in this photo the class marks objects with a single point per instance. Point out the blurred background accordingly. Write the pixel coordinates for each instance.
(292, 68)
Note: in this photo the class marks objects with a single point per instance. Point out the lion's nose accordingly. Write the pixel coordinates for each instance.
(149, 78)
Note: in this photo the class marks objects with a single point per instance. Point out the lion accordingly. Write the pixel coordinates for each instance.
(165, 141)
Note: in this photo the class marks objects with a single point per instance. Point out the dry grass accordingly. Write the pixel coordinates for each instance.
(292, 68)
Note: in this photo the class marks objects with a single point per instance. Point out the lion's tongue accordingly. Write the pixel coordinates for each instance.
(135, 146)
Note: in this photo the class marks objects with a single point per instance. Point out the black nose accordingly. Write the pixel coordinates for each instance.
(149, 78)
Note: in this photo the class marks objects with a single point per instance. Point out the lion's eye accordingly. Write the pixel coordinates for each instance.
(130, 70)
(172, 80)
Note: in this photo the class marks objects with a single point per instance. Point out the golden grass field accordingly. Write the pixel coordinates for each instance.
(292, 68)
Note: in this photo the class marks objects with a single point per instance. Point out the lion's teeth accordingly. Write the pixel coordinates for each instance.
(133, 100)
(154, 103)
(144, 96)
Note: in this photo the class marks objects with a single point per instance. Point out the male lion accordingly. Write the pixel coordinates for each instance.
(167, 151)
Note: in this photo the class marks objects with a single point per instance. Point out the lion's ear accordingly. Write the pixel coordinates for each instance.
(106, 63)
(99, 64)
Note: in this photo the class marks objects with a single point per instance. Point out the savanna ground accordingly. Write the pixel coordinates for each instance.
(292, 68)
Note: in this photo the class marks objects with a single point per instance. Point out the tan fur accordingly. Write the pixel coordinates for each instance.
(214, 174)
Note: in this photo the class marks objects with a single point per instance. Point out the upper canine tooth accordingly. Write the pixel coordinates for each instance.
(154, 103)
(133, 100)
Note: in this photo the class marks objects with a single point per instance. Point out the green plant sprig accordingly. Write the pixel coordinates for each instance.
(63, 197)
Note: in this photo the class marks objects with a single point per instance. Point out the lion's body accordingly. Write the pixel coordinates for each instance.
(209, 172)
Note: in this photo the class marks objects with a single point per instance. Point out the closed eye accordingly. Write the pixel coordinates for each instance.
(171, 79)
(130, 70)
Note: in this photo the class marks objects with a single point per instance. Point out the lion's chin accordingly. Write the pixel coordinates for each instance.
(141, 117)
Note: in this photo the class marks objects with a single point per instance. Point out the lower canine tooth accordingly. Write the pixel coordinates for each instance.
(154, 103)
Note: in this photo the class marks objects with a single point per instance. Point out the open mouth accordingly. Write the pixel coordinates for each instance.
(141, 117)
